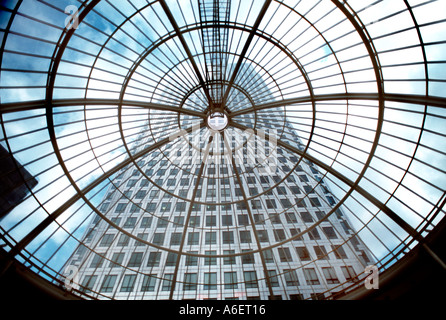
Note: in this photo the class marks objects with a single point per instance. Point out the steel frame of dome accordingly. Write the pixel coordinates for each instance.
(352, 186)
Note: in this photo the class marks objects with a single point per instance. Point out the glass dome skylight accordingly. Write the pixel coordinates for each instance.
(326, 155)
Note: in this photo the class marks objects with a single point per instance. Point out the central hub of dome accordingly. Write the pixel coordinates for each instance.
(217, 121)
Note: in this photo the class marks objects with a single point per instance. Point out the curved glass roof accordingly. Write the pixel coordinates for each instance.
(208, 131)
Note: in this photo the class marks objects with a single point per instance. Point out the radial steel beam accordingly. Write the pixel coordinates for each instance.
(186, 48)
(354, 186)
(433, 101)
(82, 195)
(439, 102)
(40, 104)
(245, 49)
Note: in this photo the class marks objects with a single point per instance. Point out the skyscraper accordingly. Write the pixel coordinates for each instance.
(235, 216)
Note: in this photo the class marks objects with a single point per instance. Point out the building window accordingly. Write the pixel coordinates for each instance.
(148, 283)
(194, 222)
(135, 260)
(314, 234)
(349, 272)
(158, 239)
(294, 189)
(250, 279)
(171, 259)
(154, 194)
(128, 283)
(263, 235)
(190, 282)
(329, 232)
(290, 217)
(162, 223)
(130, 222)
(291, 278)
(285, 254)
(146, 222)
(107, 240)
(339, 252)
(210, 281)
(175, 239)
(120, 208)
(259, 219)
(279, 235)
(271, 203)
(142, 236)
(210, 261)
(131, 183)
(251, 180)
(303, 253)
(268, 256)
(229, 260)
(191, 260)
(108, 283)
(165, 206)
(248, 258)
(104, 207)
(294, 232)
(226, 220)
(306, 217)
(144, 183)
(151, 207)
(167, 282)
(256, 204)
(253, 191)
(242, 206)
(315, 202)
(273, 278)
(330, 275)
(178, 221)
(245, 237)
(97, 261)
(281, 190)
(184, 182)
(116, 260)
(275, 219)
(140, 194)
(210, 193)
(230, 280)
(321, 253)
(88, 283)
(210, 238)
(310, 276)
(123, 240)
(193, 238)
(228, 237)
(154, 259)
(134, 208)
(243, 220)
(264, 179)
(211, 221)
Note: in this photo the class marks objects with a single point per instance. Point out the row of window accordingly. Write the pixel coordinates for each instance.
(154, 258)
(180, 206)
(226, 220)
(211, 170)
(210, 281)
(211, 237)
(212, 192)
(224, 192)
